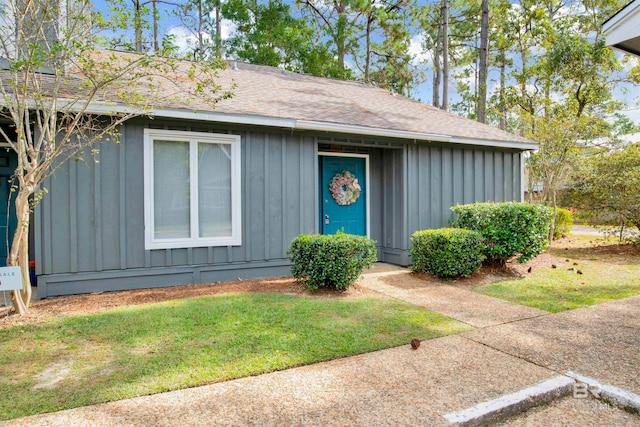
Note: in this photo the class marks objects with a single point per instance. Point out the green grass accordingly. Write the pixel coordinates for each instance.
(605, 277)
(148, 349)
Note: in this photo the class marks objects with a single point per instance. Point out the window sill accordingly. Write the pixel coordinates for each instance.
(183, 244)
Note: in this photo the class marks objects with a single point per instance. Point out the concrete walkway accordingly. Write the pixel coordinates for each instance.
(600, 232)
(461, 304)
(515, 348)
(601, 341)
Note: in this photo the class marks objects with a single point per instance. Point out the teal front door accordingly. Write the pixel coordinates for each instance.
(8, 221)
(344, 195)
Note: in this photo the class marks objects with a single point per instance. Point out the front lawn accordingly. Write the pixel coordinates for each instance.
(81, 360)
(609, 272)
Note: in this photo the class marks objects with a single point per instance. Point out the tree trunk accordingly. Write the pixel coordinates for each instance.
(137, 25)
(218, 30)
(367, 61)
(156, 41)
(19, 253)
(523, 94)
(445, 54)
(553, 217)
(201, 50)
(484, 66)
(341, 31)
(437, 71)
(622, 221)
(503, 107)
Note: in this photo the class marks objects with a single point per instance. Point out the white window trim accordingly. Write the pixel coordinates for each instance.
(236, 197)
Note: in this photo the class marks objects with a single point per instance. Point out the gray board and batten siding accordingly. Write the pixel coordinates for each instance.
(90, 227)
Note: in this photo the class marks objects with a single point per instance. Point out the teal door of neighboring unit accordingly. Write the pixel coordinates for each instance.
(8, 221)
(349, 215)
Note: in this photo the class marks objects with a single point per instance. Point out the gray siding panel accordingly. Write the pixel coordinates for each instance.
(91, 225)
(110, 206)
(489, 174)
(393, 196)
(60, 226)
(440, 177)
(93, 219)
(479, 176)
(498, 178)
(86, 225)
(436, 186)
(73, 218)
(255, 209)
(308, 202)
(375, 190)
(134, 197)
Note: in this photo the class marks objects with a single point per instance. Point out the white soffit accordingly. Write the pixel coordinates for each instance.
(622, 30)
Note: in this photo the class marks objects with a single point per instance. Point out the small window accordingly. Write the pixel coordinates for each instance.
(192, 189)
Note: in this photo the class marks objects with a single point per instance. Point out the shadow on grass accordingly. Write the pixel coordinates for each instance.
(183, 343)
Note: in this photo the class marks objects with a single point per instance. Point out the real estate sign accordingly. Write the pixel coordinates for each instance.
(10, 278)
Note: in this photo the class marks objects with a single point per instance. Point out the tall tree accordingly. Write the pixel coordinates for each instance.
(141, 16)
(609, 181)
(54, 75)
(341, 22)
(483, 66)
(203, 20)
(269, 34)
(445, 54)
(391, 63)
(571, 90)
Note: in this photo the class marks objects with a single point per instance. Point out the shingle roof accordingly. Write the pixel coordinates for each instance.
(272, 92)
(271, 96)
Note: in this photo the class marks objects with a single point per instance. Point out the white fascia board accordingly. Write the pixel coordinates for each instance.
(293, 124)
(416, 136)
(526, 146)
(623, 25)
(366, 130)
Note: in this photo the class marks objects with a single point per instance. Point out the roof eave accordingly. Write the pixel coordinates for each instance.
(620, 15)
(621, 30)
(416, 136)
(294, 124)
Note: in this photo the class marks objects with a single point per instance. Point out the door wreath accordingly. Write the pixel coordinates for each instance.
(344, 188)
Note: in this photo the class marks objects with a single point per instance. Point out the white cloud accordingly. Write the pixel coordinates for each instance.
(418, 55)
(633, 114)
(186, 40)
(228, 28)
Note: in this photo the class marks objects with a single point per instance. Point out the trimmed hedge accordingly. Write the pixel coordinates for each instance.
(564, 222)
(447, 252)
(333, 261)
(507, 228)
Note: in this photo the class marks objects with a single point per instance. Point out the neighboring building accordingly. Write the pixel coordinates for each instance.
(195, 195)
(622, 30)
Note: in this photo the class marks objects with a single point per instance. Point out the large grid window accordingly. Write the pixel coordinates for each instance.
(192, 189)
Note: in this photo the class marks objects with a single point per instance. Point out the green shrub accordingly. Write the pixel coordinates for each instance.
(447, 252)
(564, 221)
(507, 228)
(333, 261)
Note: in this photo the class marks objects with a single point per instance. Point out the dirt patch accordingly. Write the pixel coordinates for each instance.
(55, 373)
(617, 250)
(489, 273)
(99, 302)
(609, 249)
